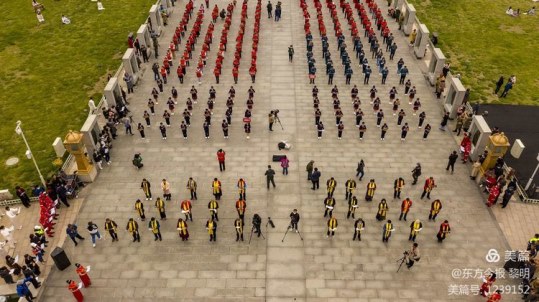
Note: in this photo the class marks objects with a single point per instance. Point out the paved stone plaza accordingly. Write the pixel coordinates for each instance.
(317, 268)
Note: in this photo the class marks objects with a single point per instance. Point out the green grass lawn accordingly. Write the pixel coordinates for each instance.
(481, 42)
(48, 72)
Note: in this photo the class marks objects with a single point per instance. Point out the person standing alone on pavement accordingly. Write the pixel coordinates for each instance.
(192, 187)
(294, 219)
(270, 9)
(360, 169)
(451, 163)
(290, 53)
(285, 163)
(278, 11)
(271, 120)
(221, 158)
(270, 173)
(315, 179)
(416, 172)
(309, 169)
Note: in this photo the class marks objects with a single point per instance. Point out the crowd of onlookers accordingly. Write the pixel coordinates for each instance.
(515, 13)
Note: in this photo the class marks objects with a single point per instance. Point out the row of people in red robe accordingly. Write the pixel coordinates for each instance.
(47, 213)
(336, 23)
(223, 42)
(256, 33)
(179, 33)
(239, 42)
(174, 45)
(365, 21)
(309, 37)
(320, 17)
(208, 39)
(349, 14)
(381, 22)
(306, 16)
(190, 44)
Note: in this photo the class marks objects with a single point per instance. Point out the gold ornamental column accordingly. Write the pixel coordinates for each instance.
(74, 145)
(497, 147)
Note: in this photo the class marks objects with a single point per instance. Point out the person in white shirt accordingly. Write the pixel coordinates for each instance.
(8, 235)
(510, 12)
(65, 20)
(100, 5)
(39, 16)
(12, 214)
(513, 79)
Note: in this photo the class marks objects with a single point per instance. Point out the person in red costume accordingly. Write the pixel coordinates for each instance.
(215, 13)
(83, 274)
(221, 159)
(235, 74)
(493, 195)
(74, 288)
(465, 147)
(487, 282)
(217, 73)
(252, 72)
(495, 297)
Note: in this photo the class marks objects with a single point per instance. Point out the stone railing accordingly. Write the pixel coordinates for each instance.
(434, 60)
(10, 202)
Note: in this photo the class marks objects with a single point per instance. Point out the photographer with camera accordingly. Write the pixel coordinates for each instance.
(412, 255)
(257, 221)
(294, 219)
(271, 120)
(273, 117)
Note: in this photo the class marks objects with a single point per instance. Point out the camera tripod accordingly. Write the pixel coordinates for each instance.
(279, 121)
(287, 229)
(252, 231)
(402, 260)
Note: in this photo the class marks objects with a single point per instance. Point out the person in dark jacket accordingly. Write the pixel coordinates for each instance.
(23, 291)
(62, 194)
(4, 273)
(451, 162)
(21, 193)
(73, 233)
(315, 179)
(29, 276)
